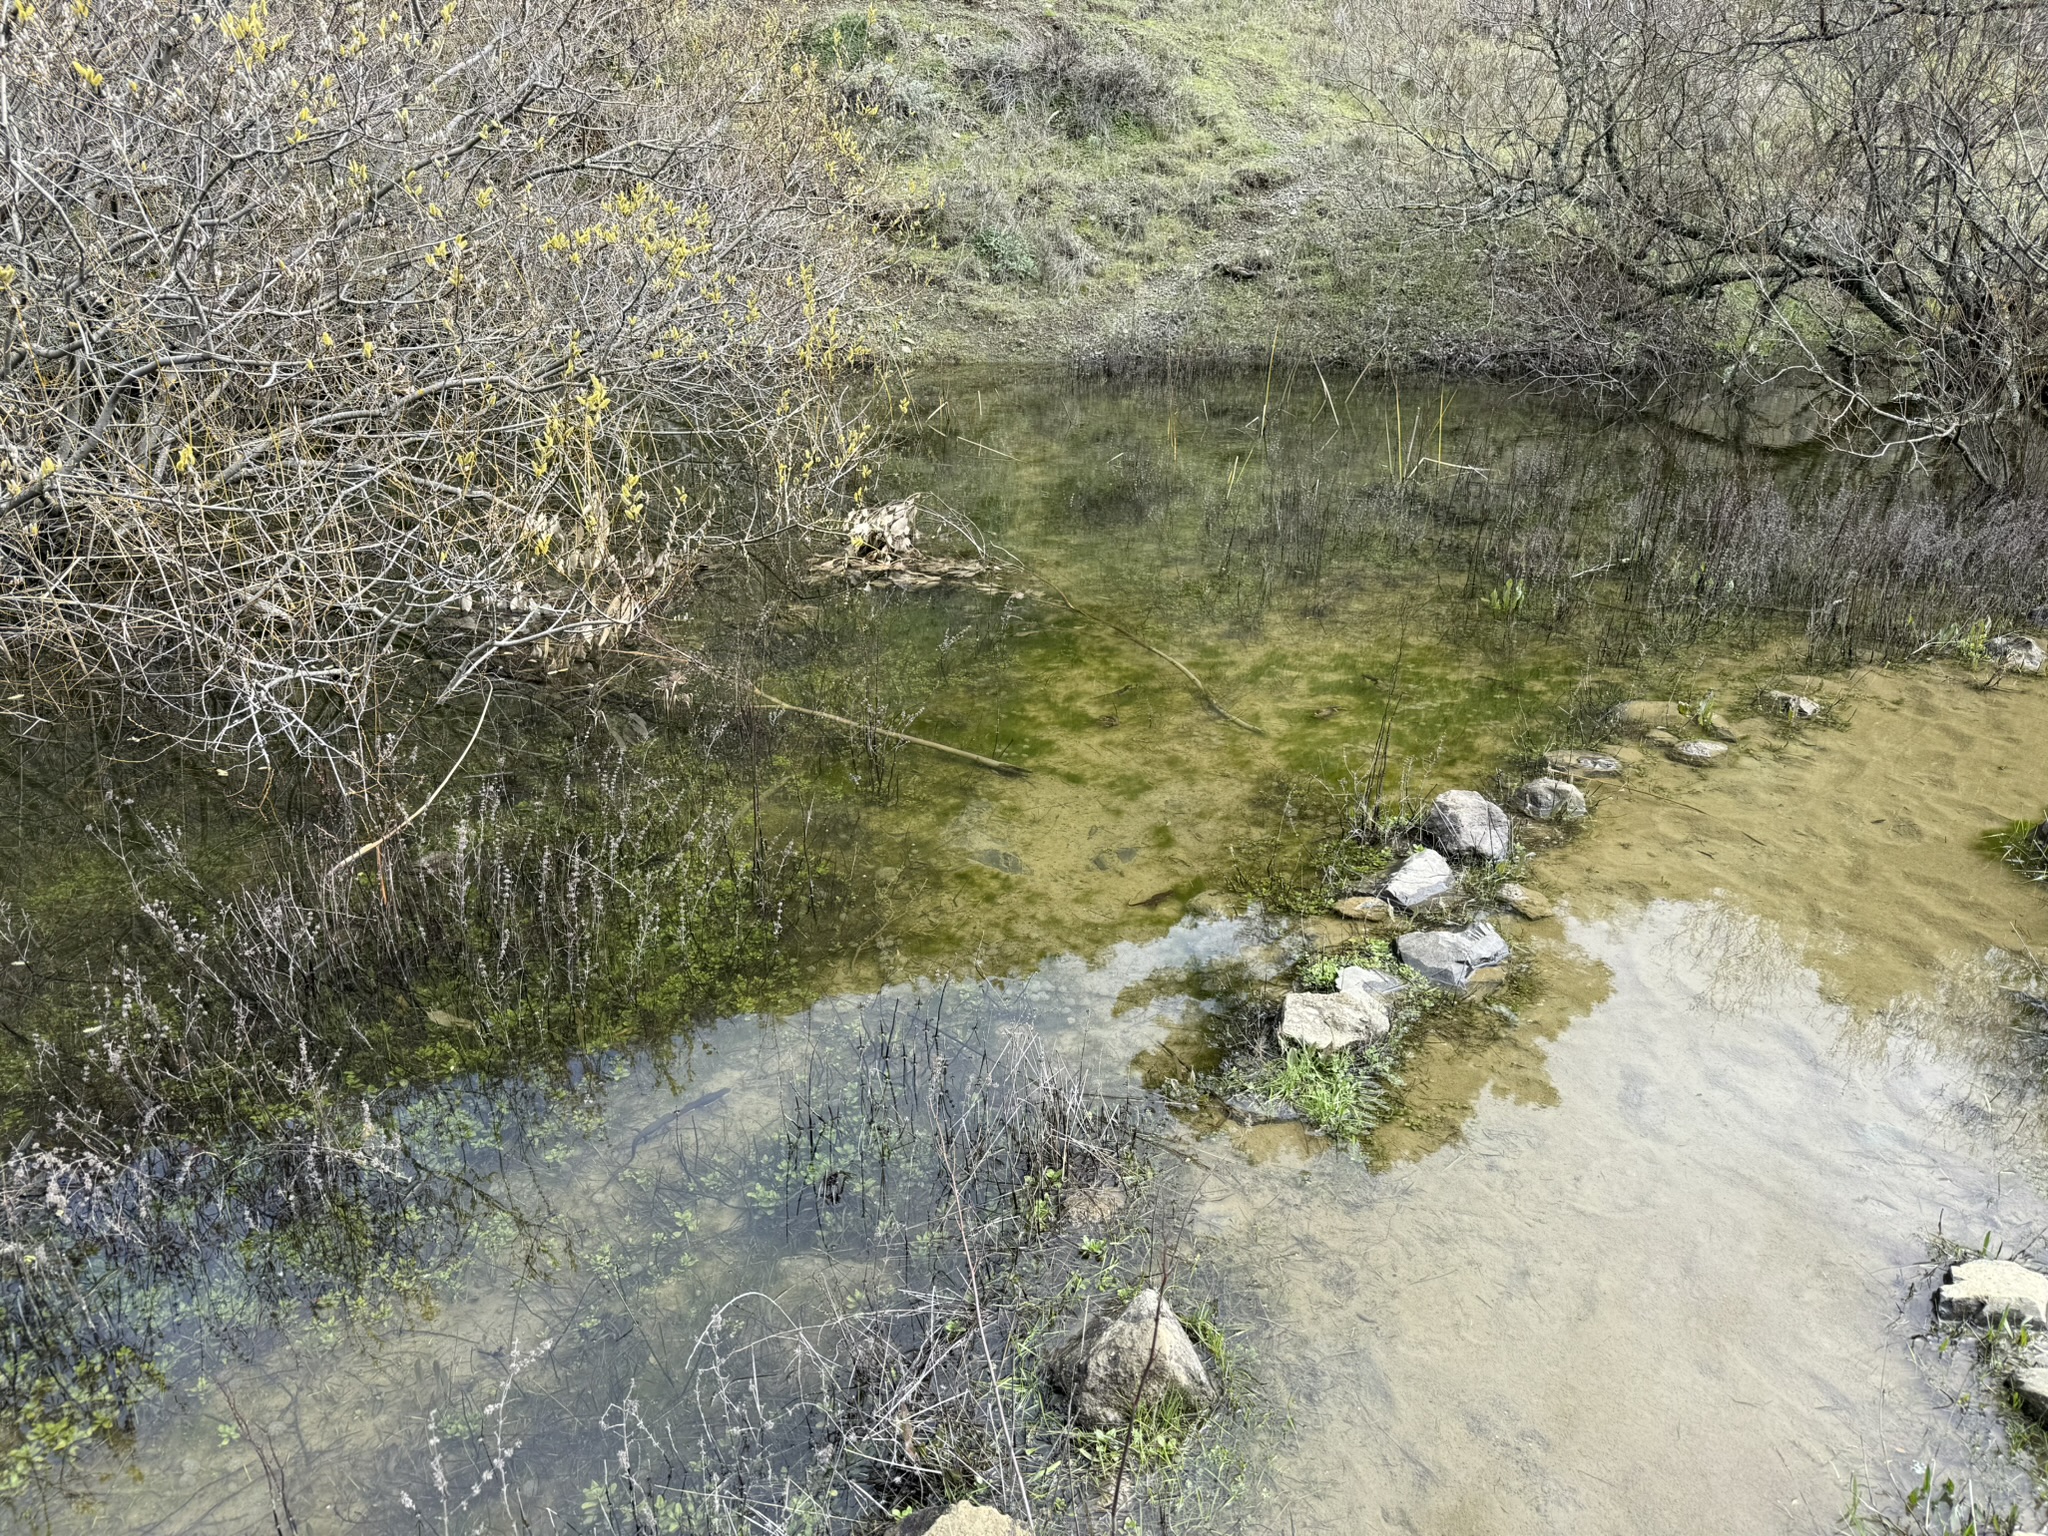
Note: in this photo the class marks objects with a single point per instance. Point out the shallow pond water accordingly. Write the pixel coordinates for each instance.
(1649, 1255)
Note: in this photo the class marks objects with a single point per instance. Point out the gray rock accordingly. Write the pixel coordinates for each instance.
(2015, 653)
(1526, 901)
(1472, 957)
(1582, 765)
(961, 1519)
(1360, 981)
(1993, 1291)
(1332, 1021)
(1143, 1357)
(1550, 800)
(1795, 706)
(1701, 754)
(2030, 1383)
(1423, 876)
(1464, 824)
(1253, 1109)
(1362, 909)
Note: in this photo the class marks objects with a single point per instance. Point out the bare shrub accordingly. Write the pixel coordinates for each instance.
(354, 348)
(1850, 198)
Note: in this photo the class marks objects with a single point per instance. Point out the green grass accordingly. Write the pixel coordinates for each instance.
(1344, 1095)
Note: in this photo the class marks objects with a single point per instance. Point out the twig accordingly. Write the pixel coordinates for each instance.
(1200, 687)
(421, 809)
(994, 763)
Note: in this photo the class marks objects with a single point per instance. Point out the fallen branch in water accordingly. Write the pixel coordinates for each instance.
(994, 763)
(1200, 687)
(422, 808)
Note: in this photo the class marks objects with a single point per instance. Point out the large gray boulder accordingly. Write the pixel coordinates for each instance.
(1423, 877)
(1332, 1021)
(1464, 824)
(1144, 1356)
(1550, 799)
(1471, 957)
(1993, 1291)
(961, 1519)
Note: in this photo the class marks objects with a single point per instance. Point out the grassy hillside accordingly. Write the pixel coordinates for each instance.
(1132, 179)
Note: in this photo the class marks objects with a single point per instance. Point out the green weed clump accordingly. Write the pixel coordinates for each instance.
(1344, 1094)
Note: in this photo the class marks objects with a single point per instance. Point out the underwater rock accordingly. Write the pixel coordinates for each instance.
(2015, 653)
(1526, 901)
(1423, 876)
(1359, 981)
(1214, 904)
(1255, 1109)
(1992, 1291)
(1475, 956)
(1143, 1357)
(1701, 754)
(1332, 1021)
(1094, 1202)
(1795, 706)
(1464, 824)
(1660, 738)
(1550, 800)
(1582, 765)
(1362, 909)
(961, 1519)
(1646, 715)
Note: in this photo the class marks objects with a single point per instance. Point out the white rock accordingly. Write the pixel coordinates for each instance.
(1583, 765)
(1423, 876)
(1550, 800)
(1992, 1291)
(1360, 981)
(1466, 825)
(2015, 653)
(1797, 705)
(1701, 754)
(1457, 962)
(1332, 1021)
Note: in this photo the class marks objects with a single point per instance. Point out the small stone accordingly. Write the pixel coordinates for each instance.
(1466, 825)
(1472, 958)
(1701, 754)
(1423, 876)
(1214, 904)
(1550, 800)
(961, 1519)
(1993, 1291)
(1794, 706)
(1332, 1021)
(1526, 901)
(1253, 1109)
(1582, 765)
(1362, 909)
(2015, 653)
(1143, 1357)
(1095, 1202)
(1660, 738)
(1360, 981)
(1646, 714)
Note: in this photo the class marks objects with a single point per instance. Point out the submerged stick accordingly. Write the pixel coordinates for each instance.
(996, 764)
(1200, 687)
(422, 808)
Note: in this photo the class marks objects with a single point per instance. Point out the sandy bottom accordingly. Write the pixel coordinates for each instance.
(1670, 1273)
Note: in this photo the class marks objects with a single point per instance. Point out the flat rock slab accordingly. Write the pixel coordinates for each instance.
(1363, 981)
(1470, 958)
(2030, 1384)
(1993, 1291)
(1583, 765)
(1362, 909)
(1333, 1021)
(1464, 824)
(961, 1519)
(1423, 876)
(1701, 754)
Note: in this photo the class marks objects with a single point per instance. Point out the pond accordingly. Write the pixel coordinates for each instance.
(1644, 1244)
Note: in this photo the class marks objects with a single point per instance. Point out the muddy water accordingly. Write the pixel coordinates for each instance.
(1675, 1277)
(1643, 1258)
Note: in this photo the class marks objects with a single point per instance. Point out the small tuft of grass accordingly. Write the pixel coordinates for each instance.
(1344, 1094)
